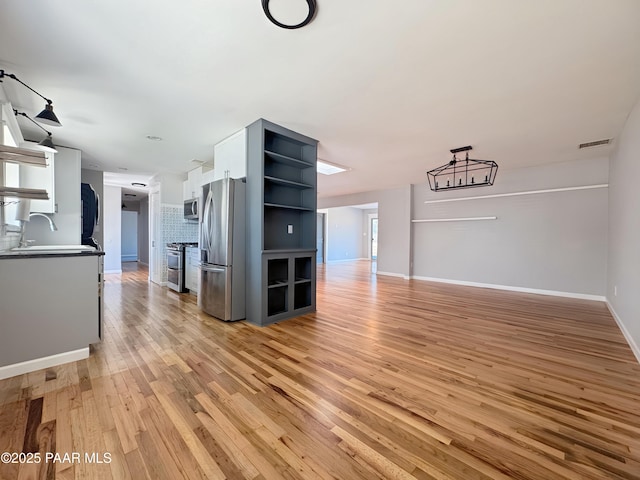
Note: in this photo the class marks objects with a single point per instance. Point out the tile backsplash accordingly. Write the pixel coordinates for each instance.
(174, 229)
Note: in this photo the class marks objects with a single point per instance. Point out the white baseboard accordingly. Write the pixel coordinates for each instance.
(346, 260)
(537, 291)
(44, 362)
(113, 271)
(143, 263)
(129, 258)
(632, 343)
(392, 274)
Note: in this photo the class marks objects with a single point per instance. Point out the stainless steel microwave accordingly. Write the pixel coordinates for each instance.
(191, 209)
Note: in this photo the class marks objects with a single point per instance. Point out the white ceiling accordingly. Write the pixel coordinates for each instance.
(388, 88)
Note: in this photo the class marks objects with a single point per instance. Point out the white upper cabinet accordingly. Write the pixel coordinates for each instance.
(230, 156)
(192, 186)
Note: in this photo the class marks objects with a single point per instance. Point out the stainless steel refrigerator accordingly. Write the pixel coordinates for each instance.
(222, 250)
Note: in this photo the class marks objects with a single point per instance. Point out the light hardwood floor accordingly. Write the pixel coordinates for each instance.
(389, 379)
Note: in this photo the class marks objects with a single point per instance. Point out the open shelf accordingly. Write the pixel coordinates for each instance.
(277, 300)
(300, 173)
(286, 160)
(287, 183)
(286, 194)
(16, 192)
(279, 221)
(290, 207)
(22, 156)
(277, 271)
(302, 268)
(302, 295)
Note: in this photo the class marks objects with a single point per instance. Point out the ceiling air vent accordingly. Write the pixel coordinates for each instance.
(606, 141)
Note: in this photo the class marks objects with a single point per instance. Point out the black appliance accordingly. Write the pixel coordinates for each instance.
(90, 214)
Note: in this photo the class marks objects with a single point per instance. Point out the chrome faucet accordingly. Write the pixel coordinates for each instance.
(52, 225)
(23, 241)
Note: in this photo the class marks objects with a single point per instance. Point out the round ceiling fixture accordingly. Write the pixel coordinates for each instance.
(153, 138)
(312, 11)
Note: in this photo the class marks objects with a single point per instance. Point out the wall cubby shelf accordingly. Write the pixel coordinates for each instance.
(281, 219)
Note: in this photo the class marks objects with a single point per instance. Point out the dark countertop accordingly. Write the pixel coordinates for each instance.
(9, 254)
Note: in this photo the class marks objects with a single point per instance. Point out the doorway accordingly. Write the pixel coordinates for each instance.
(373, 236)
(320, 237)
(129, 236)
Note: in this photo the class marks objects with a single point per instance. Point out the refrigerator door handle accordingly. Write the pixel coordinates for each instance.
(212, 269)
(206, 222)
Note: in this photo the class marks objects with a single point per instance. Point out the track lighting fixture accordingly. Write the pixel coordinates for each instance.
(46, 116)
(462, 173)
(47, 142)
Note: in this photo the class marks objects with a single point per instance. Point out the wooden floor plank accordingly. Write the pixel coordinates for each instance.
(389, 379)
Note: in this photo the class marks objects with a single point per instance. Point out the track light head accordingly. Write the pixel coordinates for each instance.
(47, 116)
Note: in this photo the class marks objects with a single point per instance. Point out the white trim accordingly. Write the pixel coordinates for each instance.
(44, 362)
(324, 235)
(630, 340)
(513, 194)
(537, 291)
(392, 274)
(143, 263)
(453, 219)
(346, 260)
(11, 121)
(113, 271)
(370, 217)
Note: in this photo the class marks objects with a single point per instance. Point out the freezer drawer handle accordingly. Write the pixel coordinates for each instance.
(212, 269)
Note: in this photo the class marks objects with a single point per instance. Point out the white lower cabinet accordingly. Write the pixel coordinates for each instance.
(192, 269)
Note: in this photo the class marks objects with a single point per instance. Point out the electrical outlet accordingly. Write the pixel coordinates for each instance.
(290, 229)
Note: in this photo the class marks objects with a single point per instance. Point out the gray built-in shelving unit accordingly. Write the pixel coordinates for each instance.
(281, 223)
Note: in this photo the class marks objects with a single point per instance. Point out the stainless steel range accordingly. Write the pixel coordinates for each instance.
(176, 265)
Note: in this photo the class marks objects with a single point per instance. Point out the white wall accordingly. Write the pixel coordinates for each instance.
(344, 234)
(170, 187)
(95, 179)
(394, 225)
(112, 229)
(129, 236)
(623, 273)
(68, 202)
(552, 241)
